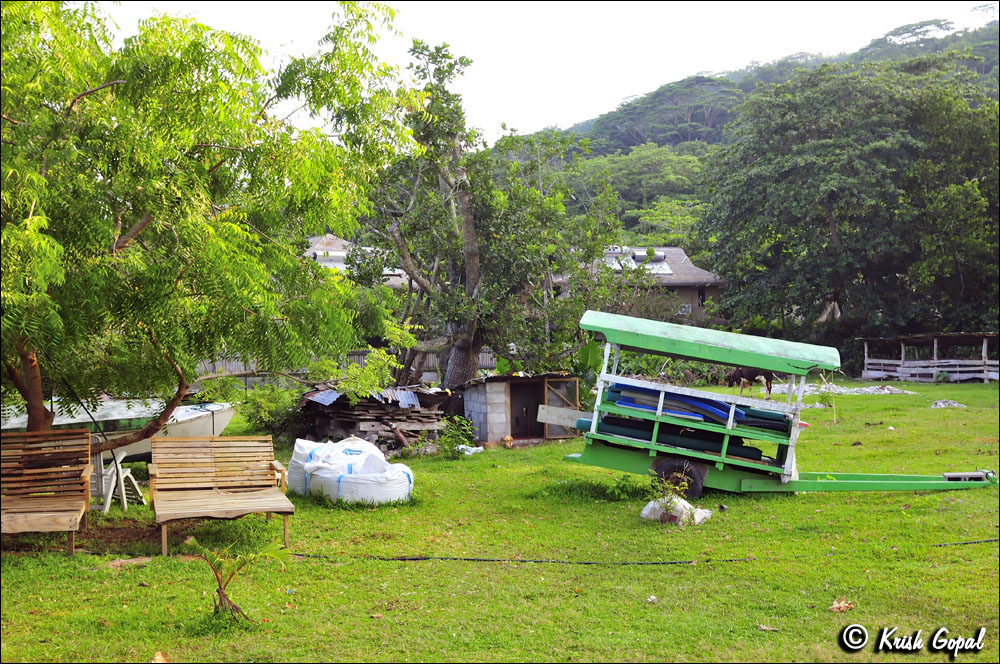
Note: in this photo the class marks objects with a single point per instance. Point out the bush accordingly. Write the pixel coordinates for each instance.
(457, 431)
(270, 408)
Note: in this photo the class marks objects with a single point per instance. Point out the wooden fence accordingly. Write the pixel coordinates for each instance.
(927, 371)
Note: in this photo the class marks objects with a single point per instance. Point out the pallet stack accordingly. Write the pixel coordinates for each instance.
(379, 421)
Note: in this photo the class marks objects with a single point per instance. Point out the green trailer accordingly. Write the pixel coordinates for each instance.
(707, 440)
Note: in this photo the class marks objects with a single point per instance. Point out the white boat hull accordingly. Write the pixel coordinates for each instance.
(208, 423)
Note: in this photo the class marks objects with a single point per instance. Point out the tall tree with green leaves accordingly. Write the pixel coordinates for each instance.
(861, 200)
(483, 234)
(154, 207)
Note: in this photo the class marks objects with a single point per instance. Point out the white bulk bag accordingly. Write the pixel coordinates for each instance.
(394, 483)
(296, 471)
(353, 470)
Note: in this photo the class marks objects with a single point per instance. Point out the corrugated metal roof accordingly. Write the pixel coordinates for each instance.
(325, 397)
(405, 398)
(493, 377)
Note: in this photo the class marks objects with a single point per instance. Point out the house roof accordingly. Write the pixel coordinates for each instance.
(669, 266)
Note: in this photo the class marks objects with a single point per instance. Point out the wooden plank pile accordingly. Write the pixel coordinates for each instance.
(386, 421)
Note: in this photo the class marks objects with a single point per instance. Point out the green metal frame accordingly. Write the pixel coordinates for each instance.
(736, 478)
(720, 471)
(696, 343)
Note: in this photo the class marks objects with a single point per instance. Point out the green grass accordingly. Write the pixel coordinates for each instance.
(336, 603)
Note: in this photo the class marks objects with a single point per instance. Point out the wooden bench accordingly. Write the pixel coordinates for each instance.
(217, 478)
(45, 481)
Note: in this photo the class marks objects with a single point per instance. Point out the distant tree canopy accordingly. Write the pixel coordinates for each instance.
(695, 109)
(861, 200)
(154, 208)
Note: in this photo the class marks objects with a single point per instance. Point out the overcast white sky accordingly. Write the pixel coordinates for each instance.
(541, 64)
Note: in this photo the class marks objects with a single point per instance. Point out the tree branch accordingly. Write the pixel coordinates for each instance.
(88, 92)
(15, 377)
(126, 239)
(404, 256)
(438, 344)
(154, 424)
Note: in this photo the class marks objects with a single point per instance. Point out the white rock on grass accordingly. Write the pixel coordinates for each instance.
(675, 510)
(947, 403)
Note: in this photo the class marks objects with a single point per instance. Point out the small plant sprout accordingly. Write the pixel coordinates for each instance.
(825, 396)
(225, 566)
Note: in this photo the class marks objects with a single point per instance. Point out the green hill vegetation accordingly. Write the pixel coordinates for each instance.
(699, 107)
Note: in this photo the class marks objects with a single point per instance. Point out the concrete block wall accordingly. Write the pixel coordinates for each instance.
(475, 409)
(496, 411)
(486, 407)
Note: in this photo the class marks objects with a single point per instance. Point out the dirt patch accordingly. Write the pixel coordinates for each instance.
(124, 536)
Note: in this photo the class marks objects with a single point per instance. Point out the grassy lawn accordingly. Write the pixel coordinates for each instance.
(799, 553)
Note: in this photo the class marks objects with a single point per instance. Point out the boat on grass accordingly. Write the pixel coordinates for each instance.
(120, 417)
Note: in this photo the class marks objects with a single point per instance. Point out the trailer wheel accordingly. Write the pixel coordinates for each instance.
(681, 474)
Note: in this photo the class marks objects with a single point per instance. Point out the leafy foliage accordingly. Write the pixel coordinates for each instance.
(458, 431)
(154, 210)
(270, 407)
(861, 201)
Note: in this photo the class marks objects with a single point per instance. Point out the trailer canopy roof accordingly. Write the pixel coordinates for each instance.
(696, 343)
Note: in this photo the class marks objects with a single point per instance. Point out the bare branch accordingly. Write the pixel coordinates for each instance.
(88, 92)
(256, 373)
(293, 112)
(216, 146)
(270, 100)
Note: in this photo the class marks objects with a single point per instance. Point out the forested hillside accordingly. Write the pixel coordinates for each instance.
(698, 107)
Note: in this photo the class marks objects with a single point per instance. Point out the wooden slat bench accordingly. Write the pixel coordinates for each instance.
(45, 481)
(217, 478)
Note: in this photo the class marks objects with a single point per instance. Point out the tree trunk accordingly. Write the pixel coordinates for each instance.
(463, 362)
(834, 235)
(28, 382)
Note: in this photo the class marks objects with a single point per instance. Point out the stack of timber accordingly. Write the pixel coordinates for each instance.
(393, 418)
